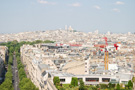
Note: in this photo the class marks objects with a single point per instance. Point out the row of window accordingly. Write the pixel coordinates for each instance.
(90, 79)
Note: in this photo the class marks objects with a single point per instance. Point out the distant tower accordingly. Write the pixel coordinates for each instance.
(108, 33)
(70, 28)
(65, 27)
(129, 33)
(96, 32)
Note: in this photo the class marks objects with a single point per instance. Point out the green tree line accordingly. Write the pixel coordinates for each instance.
(14, 48)
(7, 84)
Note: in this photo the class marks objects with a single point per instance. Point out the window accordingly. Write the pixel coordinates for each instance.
(92, 79)
(113, 80)
(62, 80)
(105, 79)
(125, 82)
(79, 79)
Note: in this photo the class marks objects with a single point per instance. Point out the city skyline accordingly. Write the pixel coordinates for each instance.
(116, 16)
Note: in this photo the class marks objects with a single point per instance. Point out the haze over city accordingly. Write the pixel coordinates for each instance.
(67, 45)
(116, 16)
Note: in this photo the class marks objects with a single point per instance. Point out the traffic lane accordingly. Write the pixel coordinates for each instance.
(16, 79)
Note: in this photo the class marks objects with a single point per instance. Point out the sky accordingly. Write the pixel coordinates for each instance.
(117, 16)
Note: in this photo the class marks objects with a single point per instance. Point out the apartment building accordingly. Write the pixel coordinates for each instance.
(3, 52)
(3, 56)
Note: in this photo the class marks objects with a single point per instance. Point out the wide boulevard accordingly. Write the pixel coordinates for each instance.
(15, 74)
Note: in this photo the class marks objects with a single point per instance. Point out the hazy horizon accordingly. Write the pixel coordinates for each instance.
(116, 16)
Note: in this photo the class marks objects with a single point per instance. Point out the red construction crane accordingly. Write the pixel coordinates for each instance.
(106, 55)
(106, 61)
(105, 41)
(116, 46)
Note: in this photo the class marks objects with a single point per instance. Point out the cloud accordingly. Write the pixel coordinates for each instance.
(116, 10)
(46, 2)
(97, 7)
(42, 2)
(75, 4)
(119, 3)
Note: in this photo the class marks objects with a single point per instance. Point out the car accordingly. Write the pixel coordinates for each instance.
(16, 71)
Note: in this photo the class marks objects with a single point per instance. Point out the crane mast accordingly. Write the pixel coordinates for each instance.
(106, 61)
(106, 52)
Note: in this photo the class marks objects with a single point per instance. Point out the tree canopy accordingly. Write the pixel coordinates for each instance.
(81, 85)
(74, 81)
(118, 86)
(130, 84)
(56, 81)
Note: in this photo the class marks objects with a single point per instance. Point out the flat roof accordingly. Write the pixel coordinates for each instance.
(43, 66)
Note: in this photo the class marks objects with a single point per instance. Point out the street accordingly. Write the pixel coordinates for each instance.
(15, 74)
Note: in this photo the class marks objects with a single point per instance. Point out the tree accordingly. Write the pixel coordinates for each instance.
(56, 81)
(17, 48)
(26, 84)
(9, 68)
(103, 86)
(133, 79)
(38, 41)
(118, 86)
(110, 85)
(11, 49)
(61, 88)
(97, 86)
(126, 86)
(48, 41)
(23, 81)
(6, 85)
(22, 74)
(14, 42)
(18, 57)
(130, 84)
(74, 81)
(10, 60)
(20, 65)
(81, 85)
(9, 75)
